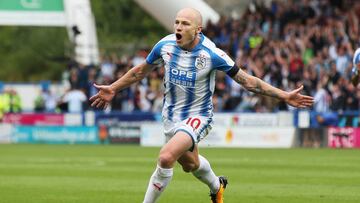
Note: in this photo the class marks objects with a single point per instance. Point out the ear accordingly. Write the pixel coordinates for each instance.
(198, 30)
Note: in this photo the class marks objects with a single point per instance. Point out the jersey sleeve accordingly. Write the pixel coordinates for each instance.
(154, 57)
(221, 61)
(356, 58)
(354, 71)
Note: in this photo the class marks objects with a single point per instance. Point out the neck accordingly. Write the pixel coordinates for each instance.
(192, 44)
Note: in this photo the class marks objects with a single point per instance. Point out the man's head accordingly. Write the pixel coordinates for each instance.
(188, 25)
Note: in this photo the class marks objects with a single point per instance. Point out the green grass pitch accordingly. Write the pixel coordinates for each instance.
(117, 173)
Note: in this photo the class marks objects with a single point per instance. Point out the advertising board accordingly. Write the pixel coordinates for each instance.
(33, 12)
(124, 133)
(346, 137)
(249, 137)
(311, 137)
(5, 133)
(152, 134)
(55, 134)
(34, 119)
(219, 136)
(246, 119)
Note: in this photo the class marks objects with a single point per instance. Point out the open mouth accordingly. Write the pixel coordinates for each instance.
(178, 36)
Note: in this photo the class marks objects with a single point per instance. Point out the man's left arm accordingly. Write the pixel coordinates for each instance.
(258, 86)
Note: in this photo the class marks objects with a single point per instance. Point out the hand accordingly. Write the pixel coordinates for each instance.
(298, 100)
(103, 97)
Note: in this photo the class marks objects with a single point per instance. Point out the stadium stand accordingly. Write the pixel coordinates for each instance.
(287, 44)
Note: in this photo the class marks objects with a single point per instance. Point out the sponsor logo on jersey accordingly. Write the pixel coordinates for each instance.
(182, 77)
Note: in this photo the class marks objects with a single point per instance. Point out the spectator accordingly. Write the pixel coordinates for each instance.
(342, 60)
(14, 101)
(321, 99)
(107, 69)
(75, 99)
(122, 100)
(39, 103)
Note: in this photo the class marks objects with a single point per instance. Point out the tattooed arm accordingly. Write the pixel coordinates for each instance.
(258, 86)
(107, 92)
(254, 84)
(134, 75)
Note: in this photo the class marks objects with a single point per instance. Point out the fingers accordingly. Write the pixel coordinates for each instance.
(308, 104)
(310, 101)
(97, 86)
(100, 104)
(104, 105)
(100, 87)
(94, 97)
(303, 105)
(307, 97)
(95, 100)
(299, 89)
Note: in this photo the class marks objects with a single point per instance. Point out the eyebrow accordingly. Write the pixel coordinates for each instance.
(183, 21)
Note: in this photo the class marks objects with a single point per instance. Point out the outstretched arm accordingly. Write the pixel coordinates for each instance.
(256, 85)
(134, 75)
(107, 92)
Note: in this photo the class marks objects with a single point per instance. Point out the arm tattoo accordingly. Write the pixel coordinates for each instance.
(257, 88)
(240, 78)
(263, 90)
(135, 73)
(135, 76)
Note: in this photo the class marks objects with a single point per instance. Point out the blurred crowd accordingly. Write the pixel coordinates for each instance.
(285, 43)
(290, 43)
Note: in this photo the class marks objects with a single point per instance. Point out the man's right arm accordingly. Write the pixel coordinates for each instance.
(134, 75)
(138, 72)
(107, 92)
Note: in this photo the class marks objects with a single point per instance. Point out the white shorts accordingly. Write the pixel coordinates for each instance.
(196, 127)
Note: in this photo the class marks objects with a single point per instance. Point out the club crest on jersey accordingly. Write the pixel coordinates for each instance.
(200, 62)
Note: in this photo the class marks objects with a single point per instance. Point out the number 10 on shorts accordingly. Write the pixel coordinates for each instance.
(193, 122)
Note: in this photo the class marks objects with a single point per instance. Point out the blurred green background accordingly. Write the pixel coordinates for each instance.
(31, 54)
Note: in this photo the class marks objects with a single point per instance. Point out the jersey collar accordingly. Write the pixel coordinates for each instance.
(200, 42)
(198, 45)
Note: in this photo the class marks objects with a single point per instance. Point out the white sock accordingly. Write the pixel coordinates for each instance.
(206, 175)
(158, 181)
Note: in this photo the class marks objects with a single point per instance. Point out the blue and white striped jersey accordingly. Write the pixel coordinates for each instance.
(189, 76)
